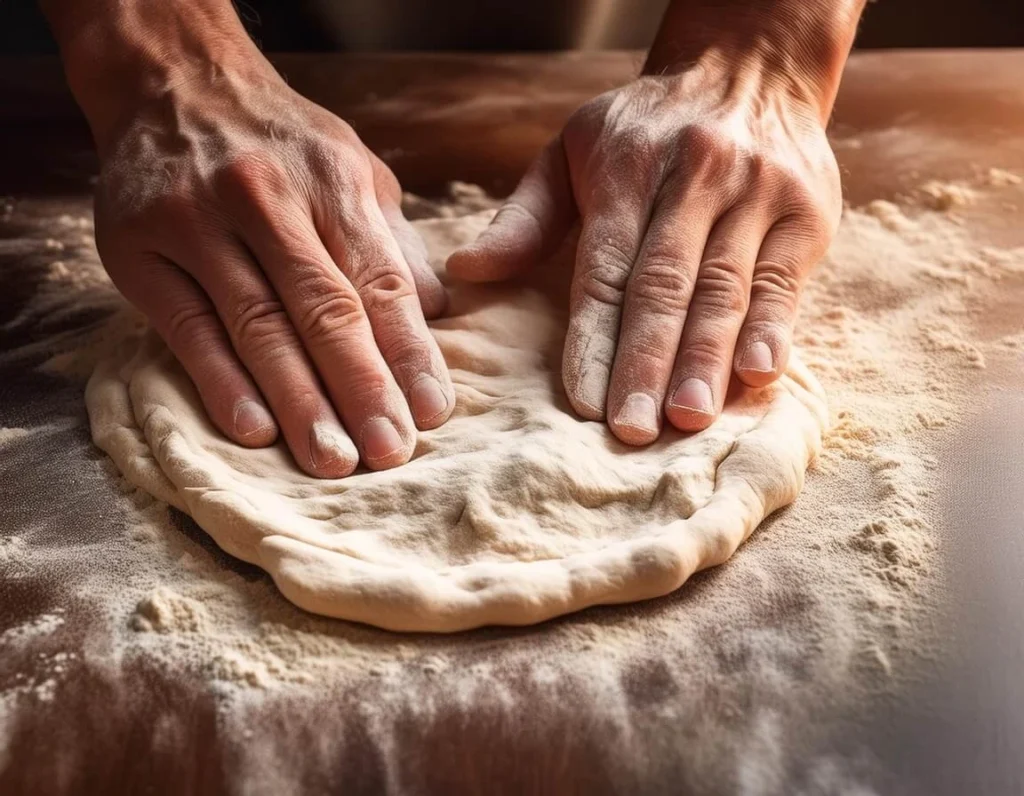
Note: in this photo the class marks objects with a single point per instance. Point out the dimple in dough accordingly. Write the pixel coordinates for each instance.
(513, 512)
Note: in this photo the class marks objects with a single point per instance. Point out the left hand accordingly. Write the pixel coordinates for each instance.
(705, 197)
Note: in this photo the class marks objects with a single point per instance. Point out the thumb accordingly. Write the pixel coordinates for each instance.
(528, 228)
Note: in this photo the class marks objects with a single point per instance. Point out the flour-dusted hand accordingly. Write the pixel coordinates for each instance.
(705, 192)
(266, 245)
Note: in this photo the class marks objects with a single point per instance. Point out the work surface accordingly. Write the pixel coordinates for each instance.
(79, 716)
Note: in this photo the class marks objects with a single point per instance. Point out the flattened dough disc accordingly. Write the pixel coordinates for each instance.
(513, 512)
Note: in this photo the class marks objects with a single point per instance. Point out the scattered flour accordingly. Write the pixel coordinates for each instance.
(41, 625)
(1000, 178)
(947, 195)
(11, 434)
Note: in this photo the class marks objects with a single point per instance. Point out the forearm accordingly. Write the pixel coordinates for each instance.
(117, 54)
(803, 41)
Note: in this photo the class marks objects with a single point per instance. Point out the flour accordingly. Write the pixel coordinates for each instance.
(42, 625)
(828, 603)
(947, 195)
(1000, 178)
(11, 434)
(166, 611)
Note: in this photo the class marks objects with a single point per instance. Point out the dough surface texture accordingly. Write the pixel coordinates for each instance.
(514, 512)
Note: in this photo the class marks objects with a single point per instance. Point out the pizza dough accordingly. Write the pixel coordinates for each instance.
(513, 512)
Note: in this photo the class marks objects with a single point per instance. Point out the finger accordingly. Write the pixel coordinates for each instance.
(657, 299)
(363, 247)
(264, 339)
(321, 304)
(610, 239)
(432, 295)
(703, 365)
(789, 250)
(528, 228)
(183, 316)
(433, 298)
(331, 323)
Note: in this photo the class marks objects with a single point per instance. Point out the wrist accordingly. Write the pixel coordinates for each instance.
(120, 56)
(796, 46)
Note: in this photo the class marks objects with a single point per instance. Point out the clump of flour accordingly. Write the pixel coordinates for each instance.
(166, 611)
(946, 195)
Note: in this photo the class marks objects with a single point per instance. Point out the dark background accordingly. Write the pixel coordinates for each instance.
(293, 25)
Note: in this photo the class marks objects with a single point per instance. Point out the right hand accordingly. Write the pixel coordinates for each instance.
(267, 246)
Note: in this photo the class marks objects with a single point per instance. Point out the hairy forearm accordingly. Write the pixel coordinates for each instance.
(117, 54)
(803, 41)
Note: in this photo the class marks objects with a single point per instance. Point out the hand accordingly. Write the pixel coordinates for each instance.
(704, 196)
(267, 247)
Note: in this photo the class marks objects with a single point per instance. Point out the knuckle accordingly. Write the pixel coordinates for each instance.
(775, 282)
(795, 196)
(330, 314)
(795, 192)
(254, 173)
(387, 182)
(719, 288)
(637, 145)
(383, 286)
(662, 281)
(258, 325)
(188, 324)
(583, 126)
(606, 272)
(339, 166)
(176, 207)
(820, 222)
(757, 161)
(709, 156)
(604, 285)
(706, 143)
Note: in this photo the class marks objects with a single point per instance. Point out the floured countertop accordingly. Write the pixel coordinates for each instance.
(839, 652)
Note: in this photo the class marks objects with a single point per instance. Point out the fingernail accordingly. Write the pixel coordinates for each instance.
(758, 357)
(251, 418)
(639, 411)
(328, 443)
(694, 395)
(427, 400)
(381, 439)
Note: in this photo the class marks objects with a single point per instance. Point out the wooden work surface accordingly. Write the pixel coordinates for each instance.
(480, 119)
